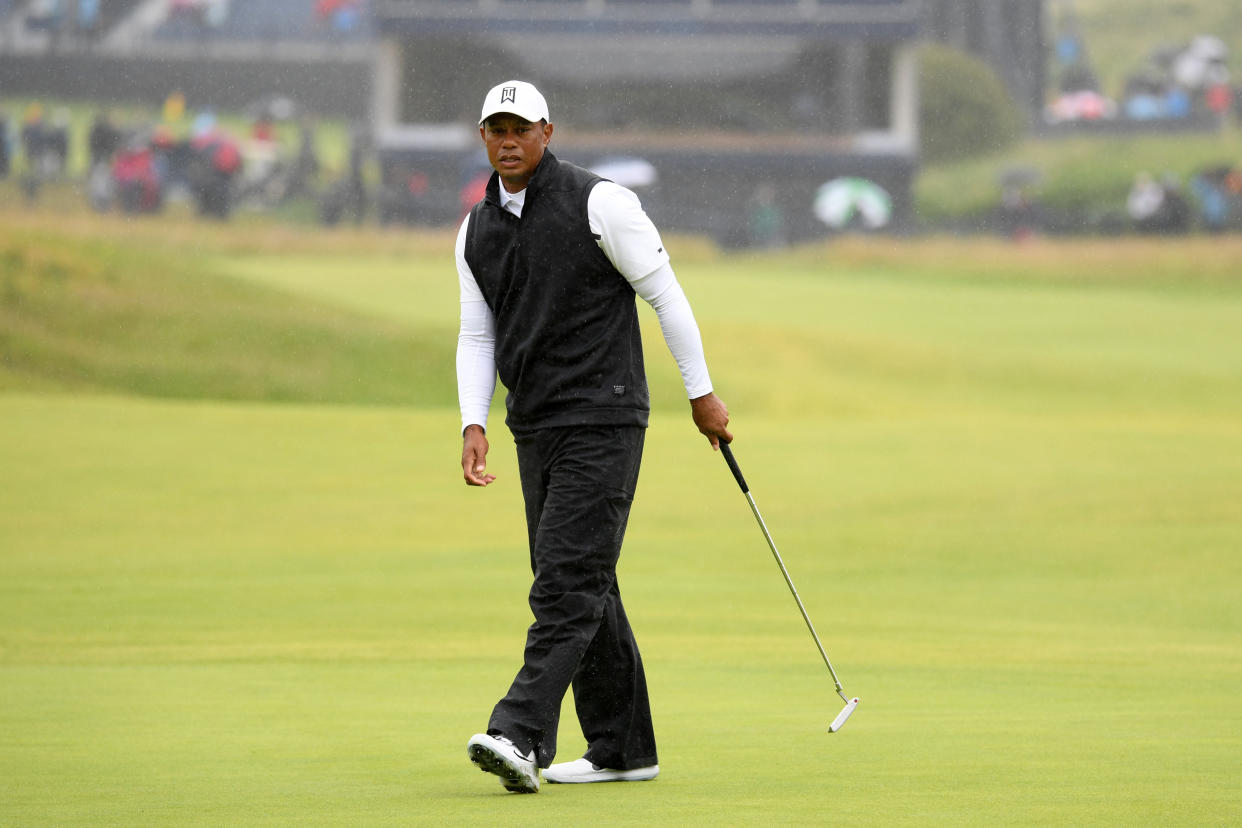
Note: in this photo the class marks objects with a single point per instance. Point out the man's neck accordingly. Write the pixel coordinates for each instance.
(514, 187)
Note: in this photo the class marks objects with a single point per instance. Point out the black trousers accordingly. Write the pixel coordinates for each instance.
(578, 484)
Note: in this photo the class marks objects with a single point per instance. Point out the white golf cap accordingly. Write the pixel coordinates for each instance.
(517, 97)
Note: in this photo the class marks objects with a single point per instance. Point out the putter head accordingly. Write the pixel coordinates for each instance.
(843, 716)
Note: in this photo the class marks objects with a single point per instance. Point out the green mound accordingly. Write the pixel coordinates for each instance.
(83, 313)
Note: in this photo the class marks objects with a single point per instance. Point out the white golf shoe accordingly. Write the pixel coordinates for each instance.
(498, 755)
(583, 770)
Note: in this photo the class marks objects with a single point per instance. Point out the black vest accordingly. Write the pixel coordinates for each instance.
(568, 347)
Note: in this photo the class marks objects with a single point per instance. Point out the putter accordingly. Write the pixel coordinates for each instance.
(850, 704)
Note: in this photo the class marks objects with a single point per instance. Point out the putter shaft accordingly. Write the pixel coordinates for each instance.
(741, 482)
(794, 591)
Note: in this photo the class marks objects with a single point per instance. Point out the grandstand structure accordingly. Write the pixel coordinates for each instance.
(1009, 35)
(163, 26)
(219, 53)
(282, 24)
(736, 106)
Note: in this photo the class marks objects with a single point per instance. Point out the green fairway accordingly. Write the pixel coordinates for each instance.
(1006, 488)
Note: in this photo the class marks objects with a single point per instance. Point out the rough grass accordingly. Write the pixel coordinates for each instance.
(262, 310)
(141, 308)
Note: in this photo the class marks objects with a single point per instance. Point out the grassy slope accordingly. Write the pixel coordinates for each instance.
(1007, 493)
(87, 308)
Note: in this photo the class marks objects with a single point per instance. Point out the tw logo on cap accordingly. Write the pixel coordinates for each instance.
(512, 96)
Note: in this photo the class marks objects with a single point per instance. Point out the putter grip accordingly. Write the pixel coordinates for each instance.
(733, 466)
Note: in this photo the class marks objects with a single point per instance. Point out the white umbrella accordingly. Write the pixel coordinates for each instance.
(626, 171)
(841, 202)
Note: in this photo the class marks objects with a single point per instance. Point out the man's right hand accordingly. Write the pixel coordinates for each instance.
(474, 457)
(711, 415)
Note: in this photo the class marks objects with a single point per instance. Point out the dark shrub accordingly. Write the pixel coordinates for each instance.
(964, 109)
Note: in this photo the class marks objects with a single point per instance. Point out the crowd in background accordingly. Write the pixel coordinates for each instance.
(1172, 83)
(137, 168)
(202, 18)
(1173, 86)
(1209, 200)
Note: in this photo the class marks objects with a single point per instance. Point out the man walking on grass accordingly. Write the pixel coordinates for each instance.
(549, 263)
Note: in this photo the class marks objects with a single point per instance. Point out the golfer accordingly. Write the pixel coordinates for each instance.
(549, 264)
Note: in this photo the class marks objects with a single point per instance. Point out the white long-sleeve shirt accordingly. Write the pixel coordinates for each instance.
(631, 242)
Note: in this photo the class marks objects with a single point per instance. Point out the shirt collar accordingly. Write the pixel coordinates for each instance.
(513, 202)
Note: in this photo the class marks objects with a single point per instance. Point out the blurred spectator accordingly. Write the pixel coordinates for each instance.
(1148, 97)
(1218, 191)
(6, 156)
(216, 13)
(474, 189)
(216, 163)
(1218, 97)
(1145, 199)
(264, 178)
(174, 107)
(136, 178)
(34, 149)
(305, 170)
(347, 18)
(1177, 212)
(1072, 64)
(102, 143)
(344, 15)
(1078, 96)
(357, 176)
(204, 123)
(348, 198)
(44, 15)
(100, 187)
(56, 143)
(404, 195)
(1083, 105)
(88, 18)
(1144, 99)
(766, 220)
(1158, 206)
(1180, 83)
(1201, 64)
(263, 130)
(199, 16)
(162, 145)
(356, 186)
(103, 140)
(175, 157)
(1019, 216)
